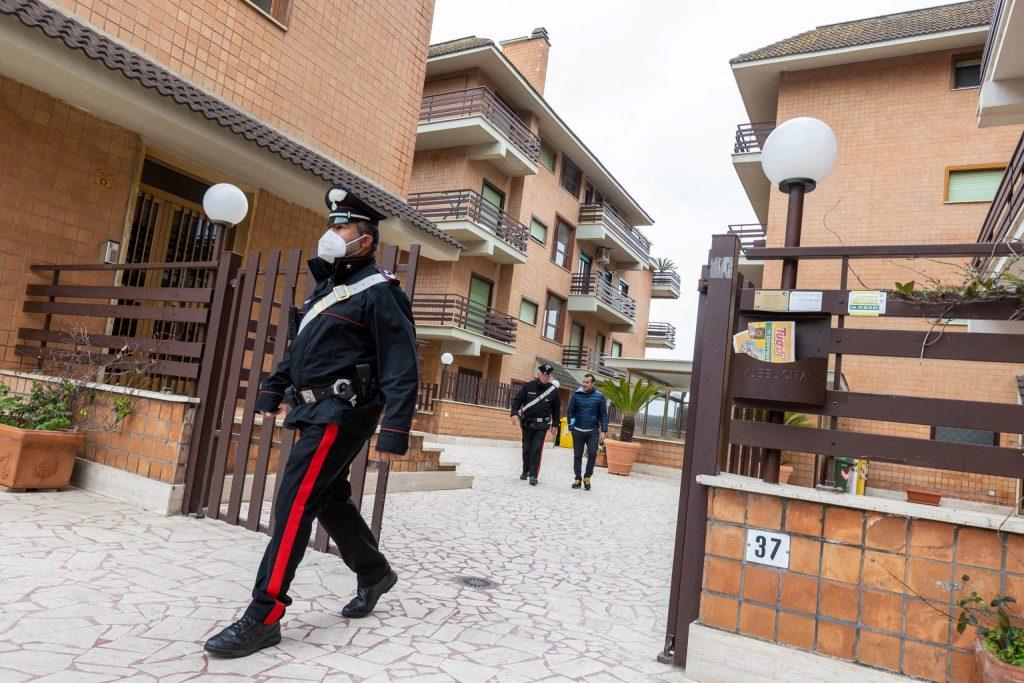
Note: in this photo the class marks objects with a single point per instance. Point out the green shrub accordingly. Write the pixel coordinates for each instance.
(47, 407)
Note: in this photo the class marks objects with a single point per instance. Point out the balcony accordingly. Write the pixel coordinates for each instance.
(584, 359)
(593, 294)
(602, 227)
(1001, 100)
(661, 336)
(1005, 219)
(665, 284)
(479, 121)
(746, 159)
(463, 327)
(480, 226)
(750, 235)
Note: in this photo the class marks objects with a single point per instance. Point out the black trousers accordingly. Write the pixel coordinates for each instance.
(533, 449)
(579, 440)
(315, 485)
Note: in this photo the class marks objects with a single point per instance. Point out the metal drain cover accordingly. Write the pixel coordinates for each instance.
(475, 582)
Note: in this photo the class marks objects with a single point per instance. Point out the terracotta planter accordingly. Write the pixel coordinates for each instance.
(785, 472)
(923, 497)
(32, 459)
(602, 459)
(994, 671)
(621, 456)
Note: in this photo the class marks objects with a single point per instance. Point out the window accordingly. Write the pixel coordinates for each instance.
(576, 334)
(547, 156)
(608, 276)
(971, 436)
(493, 201)
(973, 184)
(538, 231)
(616, 349)
(572, 177)
(664, 417)
(553, 315)
(480, 292)
(585, 263)
(624, 287)
(528, 311)
(275, 9)
(967, 72)
(599, 343)
(561, 250)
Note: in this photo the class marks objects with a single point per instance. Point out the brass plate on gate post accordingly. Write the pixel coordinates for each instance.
(799, 383)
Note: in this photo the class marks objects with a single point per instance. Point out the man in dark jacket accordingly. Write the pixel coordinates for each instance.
(587, 414)
(538, 409)
(353, 346)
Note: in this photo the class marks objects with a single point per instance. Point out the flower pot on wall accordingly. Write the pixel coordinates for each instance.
(994, 671)
(785, 472)
(33, 459)
(621, 456)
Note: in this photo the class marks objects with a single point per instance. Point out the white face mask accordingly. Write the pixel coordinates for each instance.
(331, 246)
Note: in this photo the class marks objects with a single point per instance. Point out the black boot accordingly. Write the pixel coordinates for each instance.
(367, 597)
(524, 476)
(533, 481)
(244, 637)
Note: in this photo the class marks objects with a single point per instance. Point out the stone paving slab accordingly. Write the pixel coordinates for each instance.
(95, 590)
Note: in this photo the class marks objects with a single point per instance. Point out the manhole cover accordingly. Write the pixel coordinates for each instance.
(475, 582)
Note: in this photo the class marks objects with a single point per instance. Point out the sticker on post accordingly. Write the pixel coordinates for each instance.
(801, 301)
(771, 300)
(867, 303)
(768, 547)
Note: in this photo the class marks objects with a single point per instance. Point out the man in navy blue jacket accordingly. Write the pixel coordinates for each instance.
(587, 414)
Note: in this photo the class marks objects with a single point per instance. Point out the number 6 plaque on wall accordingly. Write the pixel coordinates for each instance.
(766, 547)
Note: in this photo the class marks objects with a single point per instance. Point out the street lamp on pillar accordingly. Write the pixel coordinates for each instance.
(226, 206)
(797, 156)
(446, 360)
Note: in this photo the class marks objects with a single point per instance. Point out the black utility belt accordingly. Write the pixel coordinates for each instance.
(356, 389)
(537, 419)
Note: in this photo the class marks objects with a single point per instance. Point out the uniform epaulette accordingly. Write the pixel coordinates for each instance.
(387, 273)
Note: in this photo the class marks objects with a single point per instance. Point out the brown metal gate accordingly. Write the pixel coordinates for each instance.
(234, 454)
(730, 426)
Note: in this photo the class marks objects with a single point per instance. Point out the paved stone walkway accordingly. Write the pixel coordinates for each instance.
(94, 590)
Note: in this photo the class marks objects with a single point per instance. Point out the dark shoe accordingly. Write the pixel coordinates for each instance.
(367, 597)
(586, 483)
(243, 638)
(533, 481)
(576, 483)
(524, 476)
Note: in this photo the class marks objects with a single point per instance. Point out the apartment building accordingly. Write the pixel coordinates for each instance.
(901, 92)
(556, 266)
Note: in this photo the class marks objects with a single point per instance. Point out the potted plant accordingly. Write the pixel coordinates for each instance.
(786, 468)
(629, 399)
(662, 264)
(602, 453)
(999, 647)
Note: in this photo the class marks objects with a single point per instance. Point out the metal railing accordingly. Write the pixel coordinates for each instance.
(666, 278)
(455, 205)
(588, 358)
(455, 310)
(986, 56)
(466, 388)
(595, 285)
(604, 215)
(662, 331)
(462, 104)
(750, 137)
(750, 234)
(1006, 206)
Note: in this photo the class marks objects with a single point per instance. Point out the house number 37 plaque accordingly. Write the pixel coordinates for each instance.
(766, 547)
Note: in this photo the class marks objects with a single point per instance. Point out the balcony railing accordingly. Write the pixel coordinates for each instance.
(666, 278)
(603, 214)
(463, 104)
(455, 310)
(986, 56)
(587, 358)
(456, 205)
(465, 388)
(1007, 205)
(663, 332)
(750, 137)
(597, 286)
(750, 234)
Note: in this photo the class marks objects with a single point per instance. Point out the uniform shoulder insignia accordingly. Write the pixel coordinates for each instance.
(388, 274)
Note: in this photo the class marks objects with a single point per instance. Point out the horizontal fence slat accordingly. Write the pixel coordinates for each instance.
(142, 345)
(183, 294)
(184, 315)
(880, 251)
(188, 265)
(992, 417)
(992, 460)
(167, 368)
(973, 346)
(836, 302)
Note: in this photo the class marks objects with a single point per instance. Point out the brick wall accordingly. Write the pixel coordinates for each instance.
(531, 58)
(899, 127)
(862, 586)
(464, 419)
(660, 452)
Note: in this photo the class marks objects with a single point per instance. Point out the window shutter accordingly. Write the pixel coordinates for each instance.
(974, 186)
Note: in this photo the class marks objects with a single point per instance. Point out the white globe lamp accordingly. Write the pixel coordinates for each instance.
(226, 204)
(447, 358)
(802, 150)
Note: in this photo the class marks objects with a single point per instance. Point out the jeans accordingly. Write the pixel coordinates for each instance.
(579, 440)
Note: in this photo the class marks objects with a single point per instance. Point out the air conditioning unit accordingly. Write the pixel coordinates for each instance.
(604, 255)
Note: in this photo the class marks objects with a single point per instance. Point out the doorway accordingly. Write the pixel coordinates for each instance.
(480, 292)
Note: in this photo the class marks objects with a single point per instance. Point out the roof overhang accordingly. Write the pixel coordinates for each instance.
(674, 374)
(521, 95)
(758, 81)
(1001, 101)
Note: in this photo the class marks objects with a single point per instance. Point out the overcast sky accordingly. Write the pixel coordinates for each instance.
(647, 86)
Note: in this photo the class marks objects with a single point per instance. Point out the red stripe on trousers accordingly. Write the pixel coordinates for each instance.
(284, 551)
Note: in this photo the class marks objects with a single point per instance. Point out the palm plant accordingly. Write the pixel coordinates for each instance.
(662, 263)
(630, 399)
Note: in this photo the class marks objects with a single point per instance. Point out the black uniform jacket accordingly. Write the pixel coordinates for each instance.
(375, 327)
(549, 406)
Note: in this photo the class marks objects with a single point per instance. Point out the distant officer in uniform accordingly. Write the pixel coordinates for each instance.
(353, 345)
(537, 407)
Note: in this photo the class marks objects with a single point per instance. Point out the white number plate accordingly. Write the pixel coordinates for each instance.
(767, 547)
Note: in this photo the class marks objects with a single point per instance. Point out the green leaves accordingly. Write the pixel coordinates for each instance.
(1002, 638)
(630, 399)
(906, 288)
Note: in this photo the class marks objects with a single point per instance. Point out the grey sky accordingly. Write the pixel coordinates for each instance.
(647, 86)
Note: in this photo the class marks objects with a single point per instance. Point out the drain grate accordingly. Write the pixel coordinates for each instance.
(475, 582)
